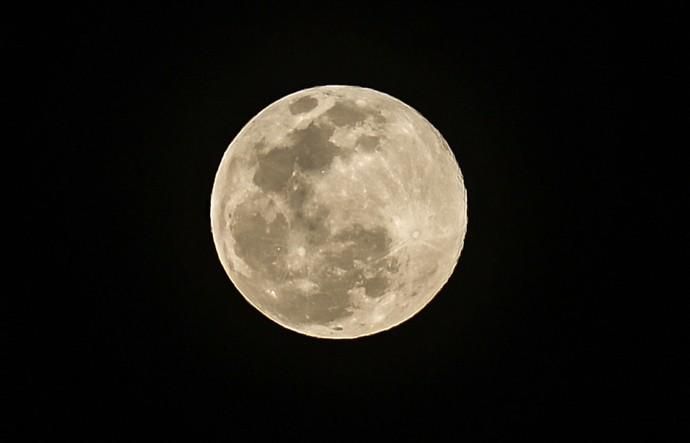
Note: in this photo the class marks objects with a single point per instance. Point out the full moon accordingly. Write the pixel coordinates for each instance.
(338, 212)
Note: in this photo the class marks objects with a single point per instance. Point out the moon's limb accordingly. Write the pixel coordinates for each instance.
(339, 211)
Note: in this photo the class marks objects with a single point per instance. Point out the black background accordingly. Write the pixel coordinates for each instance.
(135, 328)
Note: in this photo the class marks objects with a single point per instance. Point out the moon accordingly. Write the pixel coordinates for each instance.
(338, 212)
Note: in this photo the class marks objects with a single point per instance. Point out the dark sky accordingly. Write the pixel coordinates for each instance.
(132, 325)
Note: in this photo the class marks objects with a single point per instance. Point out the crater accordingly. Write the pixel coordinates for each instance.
(303, 104)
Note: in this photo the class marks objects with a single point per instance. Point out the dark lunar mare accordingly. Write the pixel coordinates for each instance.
(287, 172)
(258, 242)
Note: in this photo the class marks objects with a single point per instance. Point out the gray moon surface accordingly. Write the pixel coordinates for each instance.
(339, 212)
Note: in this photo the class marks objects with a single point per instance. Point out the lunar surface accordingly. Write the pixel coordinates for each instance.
(338, 212)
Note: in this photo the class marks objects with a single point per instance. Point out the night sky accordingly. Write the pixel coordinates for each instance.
(133, 329)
